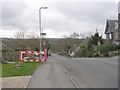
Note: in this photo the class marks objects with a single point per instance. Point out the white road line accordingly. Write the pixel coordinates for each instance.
(73, 81)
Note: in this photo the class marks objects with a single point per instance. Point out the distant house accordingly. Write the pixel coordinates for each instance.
(112, 31)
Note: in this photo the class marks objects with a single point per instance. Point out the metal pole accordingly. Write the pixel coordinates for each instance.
(40, 30)
(40, 33)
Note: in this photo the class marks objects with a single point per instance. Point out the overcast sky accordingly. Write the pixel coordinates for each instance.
(61, 17)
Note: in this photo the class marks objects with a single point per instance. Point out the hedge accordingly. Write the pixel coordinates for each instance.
(82, 53)
(107, 48)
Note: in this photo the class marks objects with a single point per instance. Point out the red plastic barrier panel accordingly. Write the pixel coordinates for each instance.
(45, 55)
(32, 56)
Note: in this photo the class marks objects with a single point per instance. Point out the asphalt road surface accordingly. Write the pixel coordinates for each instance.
(62, 72)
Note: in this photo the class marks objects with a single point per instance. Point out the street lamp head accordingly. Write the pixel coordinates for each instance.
(43, 7)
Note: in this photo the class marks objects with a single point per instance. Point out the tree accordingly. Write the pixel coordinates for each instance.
(82, 36)
(96, 39)
(65, 36)
(74, 35)
(48, 45)
(27, 39)
(20, 34)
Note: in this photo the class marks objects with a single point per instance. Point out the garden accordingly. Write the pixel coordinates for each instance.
(9, 61)
(97, 47)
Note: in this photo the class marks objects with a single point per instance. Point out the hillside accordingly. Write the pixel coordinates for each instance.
(56, 44)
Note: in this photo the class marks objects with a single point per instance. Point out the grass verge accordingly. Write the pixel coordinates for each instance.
(0, 70)
(28, 68)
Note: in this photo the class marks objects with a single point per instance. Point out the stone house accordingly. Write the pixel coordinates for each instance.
(112, 31)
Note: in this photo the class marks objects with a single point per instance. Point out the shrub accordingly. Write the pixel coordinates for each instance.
(11, 56)
(82, 46)
(90, 54)
(81, 53)
(95, 54)
(37, 49)
(4, 50)
(107, 48)
(113, 53)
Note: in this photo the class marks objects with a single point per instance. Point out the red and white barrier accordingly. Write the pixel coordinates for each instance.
(32, 56)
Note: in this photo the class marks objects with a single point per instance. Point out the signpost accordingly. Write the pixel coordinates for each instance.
(43, 34)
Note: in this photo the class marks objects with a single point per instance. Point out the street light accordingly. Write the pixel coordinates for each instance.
(40, 29)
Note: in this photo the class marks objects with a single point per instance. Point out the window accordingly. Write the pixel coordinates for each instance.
(116, 25)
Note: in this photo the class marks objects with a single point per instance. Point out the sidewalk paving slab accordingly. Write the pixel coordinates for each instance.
(15, 82)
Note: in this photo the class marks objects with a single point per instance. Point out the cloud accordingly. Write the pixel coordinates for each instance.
(119, 7)
(60, 17)
(88, 11)
(12, 13)
(18, 15)
(80, 16)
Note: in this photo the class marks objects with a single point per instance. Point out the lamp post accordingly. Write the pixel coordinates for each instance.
(40, 29)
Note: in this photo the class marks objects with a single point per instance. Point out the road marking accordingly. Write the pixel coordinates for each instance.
(69, 76)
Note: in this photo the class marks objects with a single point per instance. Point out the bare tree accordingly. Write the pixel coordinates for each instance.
(82, 36)
(28, 39)
(25, 35)
(30, 36)
(74, 35)
(20, 34)
(65, 36)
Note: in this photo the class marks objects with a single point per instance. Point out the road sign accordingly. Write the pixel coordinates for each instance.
(43, 33)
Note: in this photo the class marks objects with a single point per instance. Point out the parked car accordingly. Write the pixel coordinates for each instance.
(49, 54)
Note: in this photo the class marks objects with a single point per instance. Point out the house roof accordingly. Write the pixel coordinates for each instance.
(110, 26)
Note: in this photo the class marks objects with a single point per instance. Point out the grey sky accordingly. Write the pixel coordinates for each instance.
(61, 18)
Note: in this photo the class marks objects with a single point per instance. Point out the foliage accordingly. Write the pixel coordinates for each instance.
(74, 35)
(82, 46)
(10, 55)
(107, 48)
(113, 53)
(90, 54)
(37, 49)
(22, 34)
(48, 45)
(81, 53)
(4, 50)
(64, 45)
(96, 39)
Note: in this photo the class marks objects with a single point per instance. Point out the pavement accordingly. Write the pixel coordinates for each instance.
(15, 82)
(50, 75)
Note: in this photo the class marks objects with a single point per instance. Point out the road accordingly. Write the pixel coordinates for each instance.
(79, 73)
